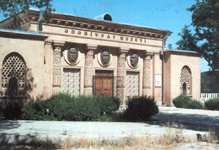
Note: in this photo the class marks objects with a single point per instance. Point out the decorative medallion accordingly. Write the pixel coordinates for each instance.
(104, 57)
(133, 59)
(72, 55)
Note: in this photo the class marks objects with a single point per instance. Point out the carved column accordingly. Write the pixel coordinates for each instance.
(121, 72)
(88, 69)
(57, 67)
(147, 70)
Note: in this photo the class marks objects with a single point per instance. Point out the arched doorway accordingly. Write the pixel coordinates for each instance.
(186, 81)
(13, 75)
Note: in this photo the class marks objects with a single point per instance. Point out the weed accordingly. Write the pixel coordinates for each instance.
(64, 132)
(171, 134)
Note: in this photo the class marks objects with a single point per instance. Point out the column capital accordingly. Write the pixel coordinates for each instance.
(58, 43)
(48, 42)
(123, 50)
(91, 47)
(147, 53)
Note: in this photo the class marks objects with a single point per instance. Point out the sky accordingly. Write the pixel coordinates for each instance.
(160, 14)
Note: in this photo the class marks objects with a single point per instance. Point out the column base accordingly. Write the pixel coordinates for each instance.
(120, 95)
(146, 92)
(88, 91)
(56, 90)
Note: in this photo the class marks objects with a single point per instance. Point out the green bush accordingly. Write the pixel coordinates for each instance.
(108, 104)
(140, 109)
(181, 101)
(194, 104)
(10, 109)
(212, 104)
(66, 107)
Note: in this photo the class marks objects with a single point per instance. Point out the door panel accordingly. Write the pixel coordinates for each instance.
(104, 84)
(71, 81)
(132, 84)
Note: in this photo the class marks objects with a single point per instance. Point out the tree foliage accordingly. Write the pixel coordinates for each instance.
(205, 37)
(10, 8)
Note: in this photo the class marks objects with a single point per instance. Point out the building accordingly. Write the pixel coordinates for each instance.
(92, 57)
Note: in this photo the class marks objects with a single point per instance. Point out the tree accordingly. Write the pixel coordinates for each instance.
(10, 8)
(170, 46)
(205, 39)
(205, 86)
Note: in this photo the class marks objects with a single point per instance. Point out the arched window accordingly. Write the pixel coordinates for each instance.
(186, 81)
(184, 89)
(13, 75)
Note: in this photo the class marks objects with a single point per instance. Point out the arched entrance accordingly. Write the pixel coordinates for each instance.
(186, 81)
(13, 75)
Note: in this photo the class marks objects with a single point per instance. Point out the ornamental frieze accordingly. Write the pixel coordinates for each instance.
(107, 36)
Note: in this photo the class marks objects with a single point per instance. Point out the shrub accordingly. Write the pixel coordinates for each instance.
(108, 104)
(181, 101)
(212, 104)
(194, 104)
(10, 109)
(66, 107)
(140, 109)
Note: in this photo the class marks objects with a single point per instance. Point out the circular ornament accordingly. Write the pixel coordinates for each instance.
(72, 55)
(105, 57)
(133, 59)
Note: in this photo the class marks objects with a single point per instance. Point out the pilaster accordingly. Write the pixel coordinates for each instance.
(57, 66)
(122, 52)
(88, 69)
(147, 71)
(48, 67)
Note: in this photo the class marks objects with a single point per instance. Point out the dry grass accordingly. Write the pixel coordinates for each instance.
(172, 137)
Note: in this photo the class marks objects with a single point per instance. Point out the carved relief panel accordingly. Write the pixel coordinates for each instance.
(104, 57)
(132, 84)
(72, 55)
(71, 81)
(133, 59)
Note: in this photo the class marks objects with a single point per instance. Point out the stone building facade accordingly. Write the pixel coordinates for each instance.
(84, 56)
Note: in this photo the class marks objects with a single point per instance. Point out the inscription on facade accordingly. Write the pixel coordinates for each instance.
(105, 36)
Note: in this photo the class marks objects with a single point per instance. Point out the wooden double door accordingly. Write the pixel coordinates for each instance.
(103, 83)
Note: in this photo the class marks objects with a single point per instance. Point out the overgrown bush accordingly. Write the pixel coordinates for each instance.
(140, 109)
(181, 101)
(108, 104)
(66, 107)
(194, 104)
(212, 104)
(10, 109)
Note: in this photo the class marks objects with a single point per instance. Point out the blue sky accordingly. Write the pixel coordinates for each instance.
(161, 14)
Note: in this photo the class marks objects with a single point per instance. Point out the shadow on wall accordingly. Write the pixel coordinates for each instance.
(22, 94)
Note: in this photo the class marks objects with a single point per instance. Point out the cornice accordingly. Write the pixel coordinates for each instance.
(85, 23)
(147, 53)
(91, 47)
(123, 50)
(58, 43)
